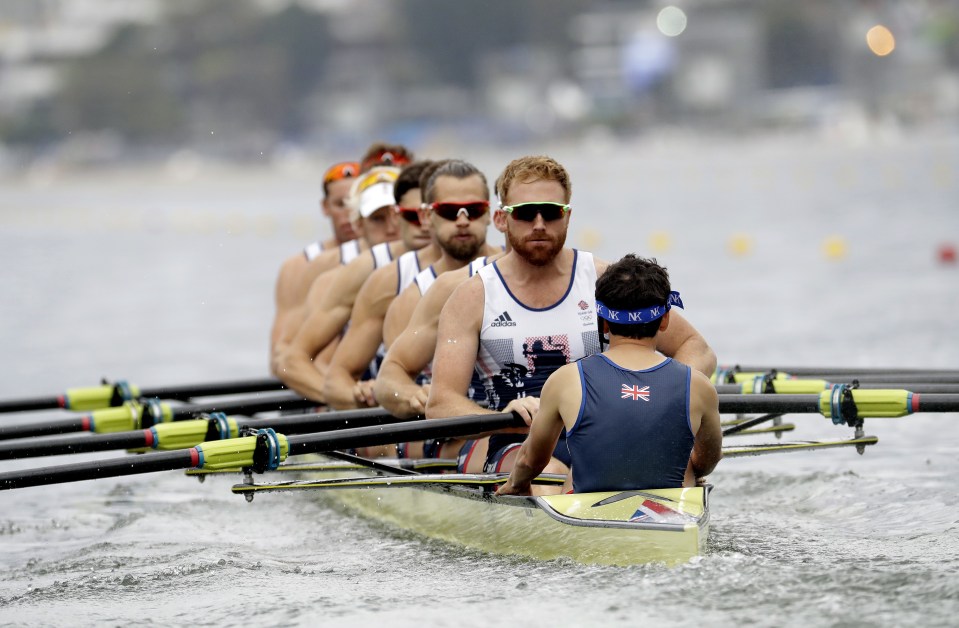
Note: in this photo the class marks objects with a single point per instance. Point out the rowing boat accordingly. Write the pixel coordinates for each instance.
(613, 528)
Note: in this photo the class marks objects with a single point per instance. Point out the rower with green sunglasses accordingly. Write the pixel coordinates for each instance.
(526, 315)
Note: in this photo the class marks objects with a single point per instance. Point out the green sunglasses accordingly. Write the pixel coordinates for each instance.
(527, 211)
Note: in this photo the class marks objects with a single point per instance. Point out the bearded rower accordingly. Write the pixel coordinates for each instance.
(456, 210)
(526, 315)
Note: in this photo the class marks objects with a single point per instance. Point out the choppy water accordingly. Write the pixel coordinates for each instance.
(166, 277)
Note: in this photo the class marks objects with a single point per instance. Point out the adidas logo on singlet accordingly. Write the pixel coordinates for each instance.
(503, 320)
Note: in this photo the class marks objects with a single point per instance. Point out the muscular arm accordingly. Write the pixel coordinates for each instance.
(683, 343)
(358, 347)
(708, 447)
(288, 304)
(457, 343)
(396, 388)
(399, 314)
(328, 309)
(559, 404)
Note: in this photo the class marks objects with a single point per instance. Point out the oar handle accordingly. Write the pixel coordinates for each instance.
(214, 388)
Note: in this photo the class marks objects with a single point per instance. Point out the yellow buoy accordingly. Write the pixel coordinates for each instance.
(740, 245)
(660, 242)
(590, 238)
(834, 247)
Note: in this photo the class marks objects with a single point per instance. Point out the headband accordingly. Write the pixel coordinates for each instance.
(637, 317)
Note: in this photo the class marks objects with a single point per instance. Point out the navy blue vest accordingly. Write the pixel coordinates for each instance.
(633, 429)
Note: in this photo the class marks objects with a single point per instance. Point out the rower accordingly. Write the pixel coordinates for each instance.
(634, 418)
(288, 296)
(527, 314)
(302, 363)
(456, 212)
(295, 282)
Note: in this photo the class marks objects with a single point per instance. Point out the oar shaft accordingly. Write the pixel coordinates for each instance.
(70, 444)
(826, 371)
(28, 404)
(781, 404)
(401, 432)
(46, 428)
(324, 421)
(260, 403)
(214, 388)
(736, 389)
(163, 461)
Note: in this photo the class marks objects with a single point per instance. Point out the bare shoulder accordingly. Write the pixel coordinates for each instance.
(562, 379)
(600, 264)
(702, 389)
(468, 291)
(383, 278)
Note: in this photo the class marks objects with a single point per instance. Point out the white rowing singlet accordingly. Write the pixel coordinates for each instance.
(349, 251)
(426, 277)
(381, 254)
(521, 346)
(313, 250)
(407, 268)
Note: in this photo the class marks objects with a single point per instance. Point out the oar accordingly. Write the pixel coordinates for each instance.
(814, 386)
(107, 395)
(842, 402)
(262, 452)
(183, 434)
(828, 371)
(132, 415)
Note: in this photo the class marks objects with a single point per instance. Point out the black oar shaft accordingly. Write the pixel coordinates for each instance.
(782, 404)
(215, 388)
(938, 403)
(807, 371)
(401, 432)
(162, 461)
(735, 389)
(260, 403)
(46, 428)
(324, 421)
(70, 444)
(26, 405)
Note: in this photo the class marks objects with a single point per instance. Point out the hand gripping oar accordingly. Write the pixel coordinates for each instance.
(109, 395)
(134, 415)
(183, 434)
(262, 452)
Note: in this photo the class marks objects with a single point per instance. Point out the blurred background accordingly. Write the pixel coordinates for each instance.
(106, 81)
(794, 164)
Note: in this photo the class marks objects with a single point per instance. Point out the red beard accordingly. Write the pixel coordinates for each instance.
(538, 248)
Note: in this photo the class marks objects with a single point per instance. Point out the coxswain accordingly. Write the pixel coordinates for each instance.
(634, 419)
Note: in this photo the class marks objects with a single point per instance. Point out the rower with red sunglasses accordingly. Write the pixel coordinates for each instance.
(527, 314)
(456, 212)
(303, 362)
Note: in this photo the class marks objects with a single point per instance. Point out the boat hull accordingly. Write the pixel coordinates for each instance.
(561, 526)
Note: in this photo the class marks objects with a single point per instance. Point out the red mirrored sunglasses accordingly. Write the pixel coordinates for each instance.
(452, 210)
(385, 158)
(409, 214)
